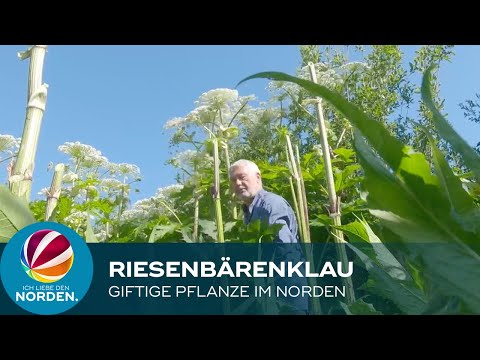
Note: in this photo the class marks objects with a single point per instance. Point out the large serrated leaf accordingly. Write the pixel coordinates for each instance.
(454, 271)
(378, 252)
(461, 202)
(416, 217)
(405, 295)
(208, 228)
(14, 214)
(412, 202)
(159, 231)
(446, 131)
(359, 307)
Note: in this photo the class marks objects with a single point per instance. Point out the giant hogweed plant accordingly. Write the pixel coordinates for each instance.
(14, 211)
(215, 115)
(377, 82)
(94, 193)
(429, 213)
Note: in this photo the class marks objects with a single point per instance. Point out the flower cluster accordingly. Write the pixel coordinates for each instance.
(212, 107)
(9, 144)
(77, 219)
(85, 155)
(190, 159)
(151, 207)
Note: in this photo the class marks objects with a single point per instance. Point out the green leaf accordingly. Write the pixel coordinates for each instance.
(14, 214)
(354, 230)
(385, 192)
(408, 298)
(414, 209)
(464, 209)
(63, 208)
(347, 155)
(411, 202)
(471, 187)
(209, 228)
(322, 220)
(230, 225)
(446, 131)
(454, 271)
(159, 231)
(187, 234)
(230, 133)
(272, 172)
(359, 307)
(308, 157)
(343, 179)
(378, 252)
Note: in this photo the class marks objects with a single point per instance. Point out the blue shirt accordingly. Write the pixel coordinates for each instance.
(273, 209)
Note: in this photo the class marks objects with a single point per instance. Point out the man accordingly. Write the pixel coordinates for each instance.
(259, 204)
(262, 205)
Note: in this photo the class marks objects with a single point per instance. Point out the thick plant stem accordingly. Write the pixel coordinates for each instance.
(295, 203)
(296, 171)
(294, 196)
(216, 193)
(332, 196)
(195, 220)
(304, 196)
(196, 212)
(300, 198)
(55, 190)
(120, 211)
(218, 217)
(227, 159)
(20, 180)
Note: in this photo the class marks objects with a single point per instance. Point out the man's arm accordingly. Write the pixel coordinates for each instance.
(281, 214)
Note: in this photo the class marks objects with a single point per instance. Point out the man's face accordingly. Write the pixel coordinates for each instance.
(245, 183)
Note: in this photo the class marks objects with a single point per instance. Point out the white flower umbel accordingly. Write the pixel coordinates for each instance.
(101, 236)
(124, 170)
(166, 192)
(190, 159)
(218, 98)
(155, 206)
(254, 116)
(77, 219)
(77, 150)
(175, 122)
(83, 155)
(111, 185)
(216, 106)
(70, 177)
(95, 162)
(326, 76)
(9, 144)
(185, 159)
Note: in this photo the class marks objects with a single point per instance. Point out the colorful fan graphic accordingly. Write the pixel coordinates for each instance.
(46, 256)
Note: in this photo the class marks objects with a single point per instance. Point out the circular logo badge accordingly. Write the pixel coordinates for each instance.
(46, 268)
(46, 256)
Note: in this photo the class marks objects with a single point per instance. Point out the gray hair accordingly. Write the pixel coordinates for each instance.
(250, 165)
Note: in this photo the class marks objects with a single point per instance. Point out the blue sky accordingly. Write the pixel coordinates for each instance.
(117, 98)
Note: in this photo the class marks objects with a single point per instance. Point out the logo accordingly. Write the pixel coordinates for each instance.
(46, 256)
(46, 268)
